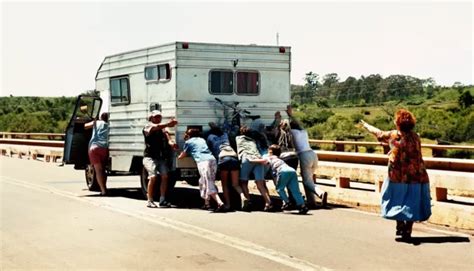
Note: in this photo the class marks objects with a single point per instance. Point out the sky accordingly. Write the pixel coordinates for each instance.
(55, 48)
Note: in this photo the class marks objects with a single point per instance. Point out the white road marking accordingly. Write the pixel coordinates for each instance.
(220, 238)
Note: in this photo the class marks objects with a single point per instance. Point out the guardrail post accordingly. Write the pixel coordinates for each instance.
(441, 194)
(378, 185)
(339, 147)
(343, 182)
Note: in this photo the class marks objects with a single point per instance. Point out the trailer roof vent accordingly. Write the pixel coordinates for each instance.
(185, 45)
(282, 50)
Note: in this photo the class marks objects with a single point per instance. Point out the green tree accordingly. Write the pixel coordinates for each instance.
(465, 99)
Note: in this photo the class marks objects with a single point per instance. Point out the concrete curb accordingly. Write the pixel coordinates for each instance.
(453, 215)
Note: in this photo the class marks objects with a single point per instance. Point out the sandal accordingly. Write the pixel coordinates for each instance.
(206, 207)
(268, 208)
(221, 209)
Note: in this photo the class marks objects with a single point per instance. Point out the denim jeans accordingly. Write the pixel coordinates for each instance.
(287, 178)
(308, 164)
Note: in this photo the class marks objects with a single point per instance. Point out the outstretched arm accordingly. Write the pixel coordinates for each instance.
(160, 126)
(289, 111)
(89, 125)
(381, 135)
(260, 161)
(182, 155)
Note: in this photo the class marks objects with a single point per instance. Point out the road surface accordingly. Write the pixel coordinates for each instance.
(50, 221)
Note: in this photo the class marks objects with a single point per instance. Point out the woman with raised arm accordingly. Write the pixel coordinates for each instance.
(99, 149)
(406, 191)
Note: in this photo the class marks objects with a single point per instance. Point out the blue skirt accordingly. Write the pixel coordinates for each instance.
(409, 202)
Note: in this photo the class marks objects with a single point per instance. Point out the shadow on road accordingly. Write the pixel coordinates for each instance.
(434, 240)
(189, 198)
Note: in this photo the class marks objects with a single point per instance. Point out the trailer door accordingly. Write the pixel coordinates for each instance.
(77, 138)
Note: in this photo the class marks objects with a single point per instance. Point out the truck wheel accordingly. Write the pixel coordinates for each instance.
(91, 179)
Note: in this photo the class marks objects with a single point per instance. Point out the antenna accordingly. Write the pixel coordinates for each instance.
(278, 38)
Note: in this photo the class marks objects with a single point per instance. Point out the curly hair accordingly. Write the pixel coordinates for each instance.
(405, 120)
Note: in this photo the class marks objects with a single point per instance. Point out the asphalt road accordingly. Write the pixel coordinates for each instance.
(50, 221)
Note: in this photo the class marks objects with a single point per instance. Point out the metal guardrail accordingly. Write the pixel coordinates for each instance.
(49, 136)
(59, 136)
(436, 150)
(465, 165)
(370, 143)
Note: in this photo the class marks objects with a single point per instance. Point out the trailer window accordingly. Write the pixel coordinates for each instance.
(119, 90)
(221, 82)
(247, 83)
(151, 73)
(158, 72)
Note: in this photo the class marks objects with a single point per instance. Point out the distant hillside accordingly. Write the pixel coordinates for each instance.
(35, 114)
(331, 110)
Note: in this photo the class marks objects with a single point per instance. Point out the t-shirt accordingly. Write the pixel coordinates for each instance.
(277, 165)
(197, 148)
(100, 134)
(247, 148)
(300, 140)
(156, 144)
(215, 143)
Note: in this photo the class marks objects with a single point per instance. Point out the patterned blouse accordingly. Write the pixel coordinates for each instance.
(405, 163)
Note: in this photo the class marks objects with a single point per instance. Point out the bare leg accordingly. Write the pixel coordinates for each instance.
(216, 197)
(151, 187)
(100, 174)
(408, 227)
(400, 227)
(225, 187)
(245, 189)
(264, 192)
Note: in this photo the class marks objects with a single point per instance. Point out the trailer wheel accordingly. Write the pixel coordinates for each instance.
(144, 183)
(91, 179)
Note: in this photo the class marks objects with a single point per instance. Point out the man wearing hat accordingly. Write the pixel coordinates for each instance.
(157, 155)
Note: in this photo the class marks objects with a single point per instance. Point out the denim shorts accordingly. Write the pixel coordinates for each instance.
(247, 167)
(229, 163)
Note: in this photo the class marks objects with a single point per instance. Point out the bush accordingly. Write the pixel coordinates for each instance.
(464, 154)
(356, 117)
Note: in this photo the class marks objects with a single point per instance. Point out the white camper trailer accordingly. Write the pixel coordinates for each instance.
(182, 79)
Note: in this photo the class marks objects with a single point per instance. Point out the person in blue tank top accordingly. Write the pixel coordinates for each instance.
(99, 148)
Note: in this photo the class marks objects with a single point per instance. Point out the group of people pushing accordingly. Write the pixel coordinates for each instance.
(405, 192)
(235, 160)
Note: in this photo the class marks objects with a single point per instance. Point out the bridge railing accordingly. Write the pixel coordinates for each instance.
(436, 150)
(344, 172)
(56, 140)
(46, 136)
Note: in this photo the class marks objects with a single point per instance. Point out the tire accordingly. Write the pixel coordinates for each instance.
(144, 183)
(91, 179)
